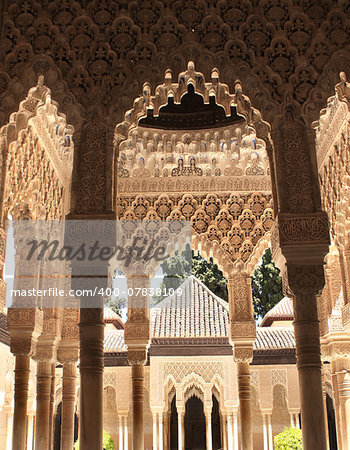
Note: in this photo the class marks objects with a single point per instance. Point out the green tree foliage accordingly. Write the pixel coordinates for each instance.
(289, 439)
(108, 443)
(266, 286)
(179, 267)
(116, 304)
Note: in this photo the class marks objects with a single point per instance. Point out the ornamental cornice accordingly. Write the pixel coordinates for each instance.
(328, 128)
(194, 185)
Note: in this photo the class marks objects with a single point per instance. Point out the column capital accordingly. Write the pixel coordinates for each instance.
(180, 410)
(265, 411)
(301, 237)
(305, 279)
(66, 355)
(45, 352)
(137, 356)
(24, 326)
(243, 354)
(207, 410)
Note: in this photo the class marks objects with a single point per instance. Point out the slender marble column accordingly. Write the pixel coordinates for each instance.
(52, 405)
(325, 407)
(235, 431)
(126, 434)
(243, 369)
(181, 428)
(22, 369)
(337, 411)
(9, 431)
(155, 432)
(224, 431)
(297, 422)
(91, 334)
(160, 431)
(165, 430)
(137, 338)
(230, 431)
(168, 431)
(306, 282)
(120, 420)
(43, 393)
(68, 405)
(291, 416)
(344, 392)
(208, 430)
(266, 445)
(30, 432)
(137, 380)
(270, 434)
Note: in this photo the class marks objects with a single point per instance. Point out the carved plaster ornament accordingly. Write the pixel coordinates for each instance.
(343, 88)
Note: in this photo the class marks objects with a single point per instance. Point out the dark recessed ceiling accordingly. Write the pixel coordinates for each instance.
(191, 114)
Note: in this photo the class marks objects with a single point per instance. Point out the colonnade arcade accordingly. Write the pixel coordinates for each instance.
(240, 185)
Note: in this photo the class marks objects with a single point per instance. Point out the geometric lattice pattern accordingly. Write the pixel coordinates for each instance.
(254, 379)
(109, 378)
(279, 376)
(206, 369)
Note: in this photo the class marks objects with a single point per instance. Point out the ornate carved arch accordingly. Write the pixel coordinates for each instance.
(226, 226)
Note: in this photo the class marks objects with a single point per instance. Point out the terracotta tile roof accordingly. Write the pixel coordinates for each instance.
(114, 341)
(274, 338)
(197, 312)
(282, 311)
(200, 313)
(111, 317)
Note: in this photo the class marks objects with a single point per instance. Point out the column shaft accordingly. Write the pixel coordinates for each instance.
(244, 404)
(68, 405)
(155, 432)
(137, 380)
(266, 445)
(307, 339)
(344, 393)
(126, 434)
(269, 426)
(91, 333)
(208, 430)
(291, 416)
(22, 369)
(168, 431)
(337, 411)
(224, 431)
(325, 408)
(120, 420)
(43, 394)
(235, 431)
(9, 431)
(30, 434)
(165, 431)
(229, 432)
(160, 433)
(52, 405)
(181, 429)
